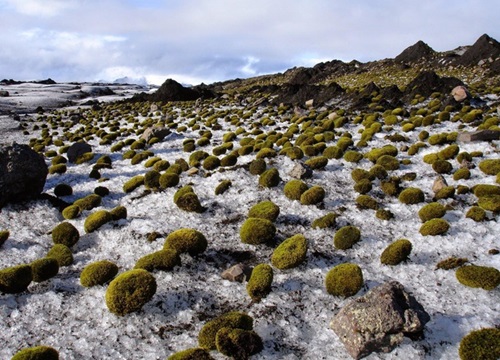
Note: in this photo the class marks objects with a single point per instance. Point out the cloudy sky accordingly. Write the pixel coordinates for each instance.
(197, 41)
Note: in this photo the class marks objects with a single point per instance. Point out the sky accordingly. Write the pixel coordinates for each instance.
(195, 41)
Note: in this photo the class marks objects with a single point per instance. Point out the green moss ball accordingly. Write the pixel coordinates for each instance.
(255, 231)
(486, 190)
(238, 343)
(434, 227)
(223, 186)
(333, 152)
(317, 162)
(191, 354)
(152, 180)
(168, 180)
(411, 196)
(430, 211)
(353, 156)
(37, 353)
(290, 253)
(164, 260)
(327, 221)
(89, 202)
(476, 213)
(130, 291)
(186, 240)
(98, 273)
(189, 202)
(270, 178)
(229, 160)
(44, 269)
(97, 219)
(119, 212)
(233, 320)
(259, 284)
(378, 171)
(396, 252)
(313, 195)
(211, 162)
(388, 162)
(71, 212)
(294, 189)
(487, 278)
(66, 234)
(363, 186)
(62, 254)
(63, 190)
(490, 166)
(344, 280)
(265, 210)
(4, 235)
(346, 237)
(489, 203)
(15, 279)
(257, 167)
(461, 174)
(367, 202)
(133, 183)
(482, 344)
(442, 166)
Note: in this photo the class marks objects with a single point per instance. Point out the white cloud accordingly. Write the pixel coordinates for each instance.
(43, 8)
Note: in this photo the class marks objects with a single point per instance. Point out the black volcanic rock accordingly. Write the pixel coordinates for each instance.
(415, 52)
(428, 82)
(299, 94)
(171, 90)
(484, 49)
(48, 81)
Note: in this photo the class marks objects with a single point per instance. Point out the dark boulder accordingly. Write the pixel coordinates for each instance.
(76, 150)
(171, 90)
(379, 320)
(428, 82)
(4, 93)
(48, 81)
(22, 173)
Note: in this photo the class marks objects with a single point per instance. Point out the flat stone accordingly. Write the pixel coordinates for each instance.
(481, 135)
(439, 183)
(237, 273)
(301, 171)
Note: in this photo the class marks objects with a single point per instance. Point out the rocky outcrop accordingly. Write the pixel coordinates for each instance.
(159, 132)
(415, 52)
(76, 150)
(379, 320)
(428, 82)
(484, 50)
(171, 90)
(22, 173)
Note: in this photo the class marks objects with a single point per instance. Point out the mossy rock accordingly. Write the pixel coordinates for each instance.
(191, 354)
(390, 187)
(384, 214)
(63, 190)
(65, 233)
(229, 160)
(89, 202)
(223, 186)
(255, 231)
(266, 153)
(482, 344)
(186, 240)
(388, 162)
(445, 193)
(451, 263)
(378, 171)
(86, 157)
(164, 260)
(333, 152)
(313, 195)
(449, 152)
(15, 279)
(183, 191)
(37, 353)
(374, 154)
(259, 284)
(363, 186)
(189, 202)
(211, 162)
(238, 343)
(442, 166)
(432, 210)
(294, 189)
(346, 237)
(44, 269)
(98, 273)
(290, 253)
(265, 210)
(234, 320)
(490, 166)
(58, 169)
(97, 219)
(367, 202)
(317, 163)
(487, 278)
(257, 167)
(270, 178)
(359, 174)
(434, 227)
(396, 252)
(118, 213)
(353, 156)
(461, 174)
(152, 180)
(133, 183)
(62, 254)
(344, 280)
(476, 213)
(411, 196)
(168, 180)
(4, 235)
(130, 291)
(490, 203)
(327, 221)
(486, 190)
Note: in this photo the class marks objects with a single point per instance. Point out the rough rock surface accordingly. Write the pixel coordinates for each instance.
(156, 131)
(439, 183)
(238, 273)
(77, 149)
(301, 171)
(481, 135)
(460, 93)
(22, 173)
(415, 52)
(379, 320)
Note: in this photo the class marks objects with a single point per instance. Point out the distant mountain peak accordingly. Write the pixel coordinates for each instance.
(485, 49)
(415, 52)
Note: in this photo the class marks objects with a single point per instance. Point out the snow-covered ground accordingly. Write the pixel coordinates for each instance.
(293, 320)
